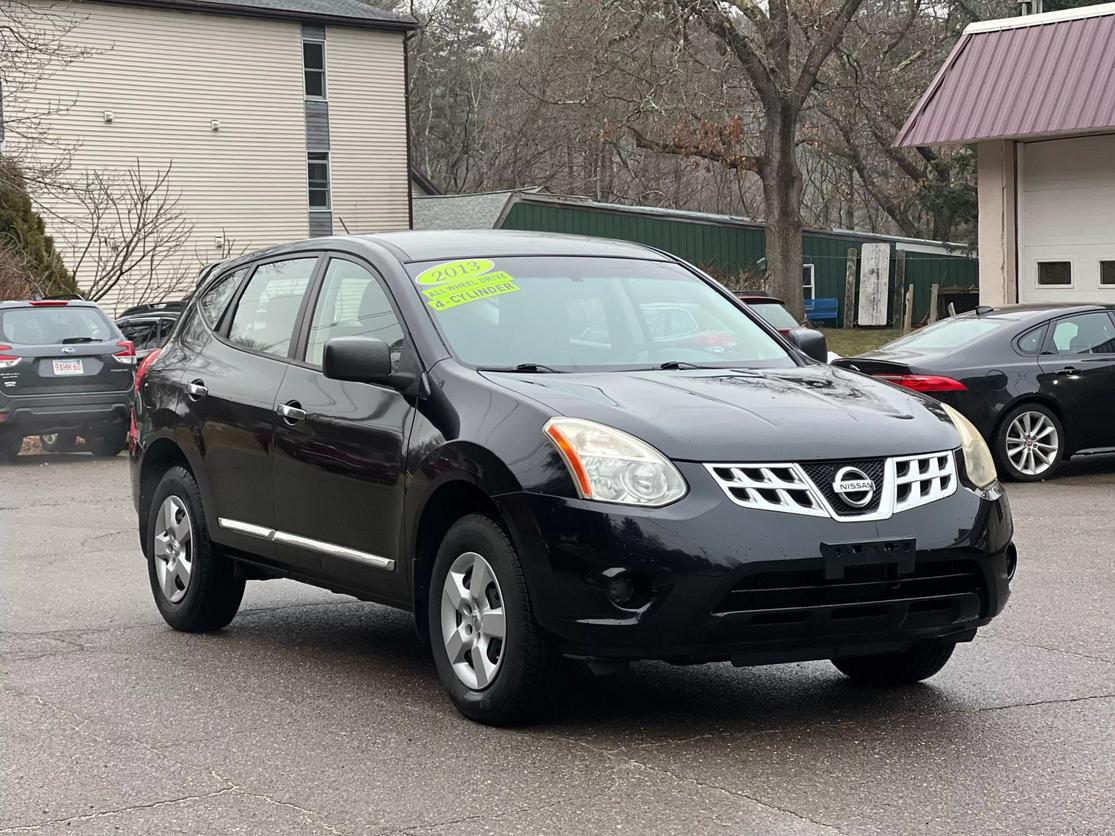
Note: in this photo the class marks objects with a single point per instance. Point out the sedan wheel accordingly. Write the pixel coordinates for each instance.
(472, 620)
(174, 549)
(1029, 444)
(1032, 443)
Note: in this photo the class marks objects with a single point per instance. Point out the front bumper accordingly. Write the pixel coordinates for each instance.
(716, 581)
(35, 415)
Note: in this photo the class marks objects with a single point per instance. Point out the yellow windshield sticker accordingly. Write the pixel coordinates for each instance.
(453, 270)
(459, 282)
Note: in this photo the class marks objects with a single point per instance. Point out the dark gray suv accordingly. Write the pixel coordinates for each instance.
(65, 370)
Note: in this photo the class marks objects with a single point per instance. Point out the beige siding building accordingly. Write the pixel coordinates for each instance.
(279, 119)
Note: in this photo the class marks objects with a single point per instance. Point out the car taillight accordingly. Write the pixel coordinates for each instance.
(126, 354)
(8, 360)
(924, 382)
(145, 365)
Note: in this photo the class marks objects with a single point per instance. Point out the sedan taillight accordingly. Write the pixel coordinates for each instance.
(126, 353)
(925, 382)
(8, 360)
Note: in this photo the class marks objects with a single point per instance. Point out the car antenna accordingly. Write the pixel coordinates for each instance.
(983, 309)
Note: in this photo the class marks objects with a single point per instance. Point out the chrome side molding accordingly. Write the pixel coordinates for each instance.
(288, 539)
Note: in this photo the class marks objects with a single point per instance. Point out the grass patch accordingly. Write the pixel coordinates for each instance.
(850, 342)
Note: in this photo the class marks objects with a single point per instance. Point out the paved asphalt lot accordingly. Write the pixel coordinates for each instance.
(315, 713)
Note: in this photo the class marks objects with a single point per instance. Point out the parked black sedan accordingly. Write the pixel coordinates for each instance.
(1038, 381)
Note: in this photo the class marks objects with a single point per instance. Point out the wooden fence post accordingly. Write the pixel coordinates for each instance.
(933, 291)
(850, 278)
(908, 313)
(899, 286)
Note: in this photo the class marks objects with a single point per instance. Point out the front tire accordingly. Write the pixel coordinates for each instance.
(1029, 444)
(195, 587)
(491, 656)
(108, 445)
(920, 662)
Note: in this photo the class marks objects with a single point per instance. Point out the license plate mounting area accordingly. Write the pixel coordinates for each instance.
(899, 552)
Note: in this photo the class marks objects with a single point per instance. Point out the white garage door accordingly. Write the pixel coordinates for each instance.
(1066, 213)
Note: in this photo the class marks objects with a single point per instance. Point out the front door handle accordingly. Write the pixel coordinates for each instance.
(196, 390)
(292, 412)
(1067, 371)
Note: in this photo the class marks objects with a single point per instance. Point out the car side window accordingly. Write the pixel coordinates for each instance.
(218, 295)
(268, 309)
(352, 303)
(1087, 333)
(1031, 341)
(144, 333)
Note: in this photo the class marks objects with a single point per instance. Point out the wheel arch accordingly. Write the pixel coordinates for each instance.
(160, 456)
(451, 500)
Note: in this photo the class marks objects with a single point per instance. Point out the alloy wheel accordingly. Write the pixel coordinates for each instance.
(174, 549)
(473, 625)
(1032, 443)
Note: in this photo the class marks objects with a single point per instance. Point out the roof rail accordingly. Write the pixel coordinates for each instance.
(152, 307)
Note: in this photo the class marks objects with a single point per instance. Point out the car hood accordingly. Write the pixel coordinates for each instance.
(728, 415)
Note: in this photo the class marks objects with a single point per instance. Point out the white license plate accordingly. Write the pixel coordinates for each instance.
(63, 367)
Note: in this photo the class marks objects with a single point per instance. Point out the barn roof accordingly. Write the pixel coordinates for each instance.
(1040, 75)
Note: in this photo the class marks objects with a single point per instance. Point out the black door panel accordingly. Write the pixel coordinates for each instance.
(1078, 371)
(339, 479)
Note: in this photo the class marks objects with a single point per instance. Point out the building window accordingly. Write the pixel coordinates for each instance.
(1107, 273)
(317, 166)
(1054, 273)
(313, 65)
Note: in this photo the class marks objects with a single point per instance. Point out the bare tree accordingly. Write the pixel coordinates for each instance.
(127, 233)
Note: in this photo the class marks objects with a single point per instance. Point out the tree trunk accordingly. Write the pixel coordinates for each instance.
(782, 190)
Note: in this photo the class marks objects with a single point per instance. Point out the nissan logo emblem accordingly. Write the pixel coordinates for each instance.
(854, 486)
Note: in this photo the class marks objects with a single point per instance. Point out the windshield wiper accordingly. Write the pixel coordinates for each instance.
(522, 367)
(674, 365)
(72, 340)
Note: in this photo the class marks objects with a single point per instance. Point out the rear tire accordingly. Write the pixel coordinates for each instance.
(1038, 459)
(61, 442)
(108, 445)
(10, 445)
(195, 587)
(921, 661)
(515, 684)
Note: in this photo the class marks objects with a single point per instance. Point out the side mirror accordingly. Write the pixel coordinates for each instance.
(810, 342)
(359, 359)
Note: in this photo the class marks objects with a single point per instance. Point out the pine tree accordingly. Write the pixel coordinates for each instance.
(23, 237)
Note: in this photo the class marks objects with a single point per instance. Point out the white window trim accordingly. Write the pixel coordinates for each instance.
(328, 181)
(1054, 260)
(812, 281)
(1099, 272)
(324, 74)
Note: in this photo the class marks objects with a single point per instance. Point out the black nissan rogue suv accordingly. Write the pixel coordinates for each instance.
(491, 430)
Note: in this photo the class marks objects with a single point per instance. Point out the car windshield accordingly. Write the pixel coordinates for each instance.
(574, 313)
(948, 333)
(775, 314)
(53, 325)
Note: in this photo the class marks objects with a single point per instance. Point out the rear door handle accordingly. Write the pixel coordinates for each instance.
(292, 412)
(196, 390)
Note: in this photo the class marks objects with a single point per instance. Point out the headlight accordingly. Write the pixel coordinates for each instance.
(612, 466)
(977, 457)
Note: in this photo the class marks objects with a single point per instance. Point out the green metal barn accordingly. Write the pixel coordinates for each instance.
(722, 244)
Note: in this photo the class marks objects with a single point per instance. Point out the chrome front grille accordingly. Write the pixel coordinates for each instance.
(771, 487)
(920, 480)
(901, 483)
